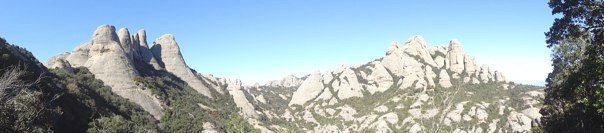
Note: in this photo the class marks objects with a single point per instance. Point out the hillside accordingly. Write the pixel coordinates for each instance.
(414, 88)
(116, 82)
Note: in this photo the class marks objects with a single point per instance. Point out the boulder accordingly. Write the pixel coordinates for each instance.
(484, 74)
(444, 79)
(440, 61)
(381, 77)
(288, 81)
(79, 56)
(309, 89)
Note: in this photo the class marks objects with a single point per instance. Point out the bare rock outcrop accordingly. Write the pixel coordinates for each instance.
(58, 61)
(126, 42)
(444, 80)
(417, 46)
(144, 50)
(380, 77)
(310, 88)
(347, 85)
(246, 108)
(167, 50)
(455, 57)
(105, 57)
(288, 81)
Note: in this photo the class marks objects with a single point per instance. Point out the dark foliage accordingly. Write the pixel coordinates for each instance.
(575, 89)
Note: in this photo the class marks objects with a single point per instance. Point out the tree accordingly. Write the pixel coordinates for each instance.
(575, 88)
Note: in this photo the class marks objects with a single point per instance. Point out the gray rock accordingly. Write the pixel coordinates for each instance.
(288, 81)
(456, 56)
(246, 108)
(348, 85)
(310, 88)
(109, 63)
(444, 79)
(79, 55)
(145, 52)
(381, 77)
(470, 65)
(484, 74)
(58, 61)
(126, 42)
(417, 46)
(166, 49)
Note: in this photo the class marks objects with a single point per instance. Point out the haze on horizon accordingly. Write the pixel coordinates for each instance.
(267, 40)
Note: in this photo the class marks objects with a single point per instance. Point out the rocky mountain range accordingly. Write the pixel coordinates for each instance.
(415, 87)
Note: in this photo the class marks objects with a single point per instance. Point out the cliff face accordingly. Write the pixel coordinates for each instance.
(112, 57)
(155, 77)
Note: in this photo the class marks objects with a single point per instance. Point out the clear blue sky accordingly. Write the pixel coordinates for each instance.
(262, 40)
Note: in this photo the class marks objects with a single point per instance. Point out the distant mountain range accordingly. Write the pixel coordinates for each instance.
(413, 88)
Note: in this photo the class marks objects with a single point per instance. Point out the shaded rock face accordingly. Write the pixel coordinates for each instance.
(144, 51)
(167, 50)
(288, 81)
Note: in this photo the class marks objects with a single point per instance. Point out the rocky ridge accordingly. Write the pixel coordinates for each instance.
(414, 88)
(112, 56)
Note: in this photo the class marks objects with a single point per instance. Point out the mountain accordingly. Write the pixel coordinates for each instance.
(157, 79)
(413, 88)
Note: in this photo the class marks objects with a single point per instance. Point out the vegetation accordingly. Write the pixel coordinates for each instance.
(575, 88)
(35, 99)
(88, 105)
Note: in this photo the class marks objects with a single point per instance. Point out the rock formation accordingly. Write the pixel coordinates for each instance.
(413, 88)
(288, 81)
(106, 57)
(312, 86)
(455, 57)
(167, 50)
(413, 78)
(246, 108)
(144, 51)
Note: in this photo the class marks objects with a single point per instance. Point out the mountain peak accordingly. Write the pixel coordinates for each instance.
(105, 33)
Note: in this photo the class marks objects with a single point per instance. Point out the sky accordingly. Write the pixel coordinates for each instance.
(258, 41)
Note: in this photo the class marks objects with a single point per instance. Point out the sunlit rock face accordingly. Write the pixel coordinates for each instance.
(110, 59)
(414, 88)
